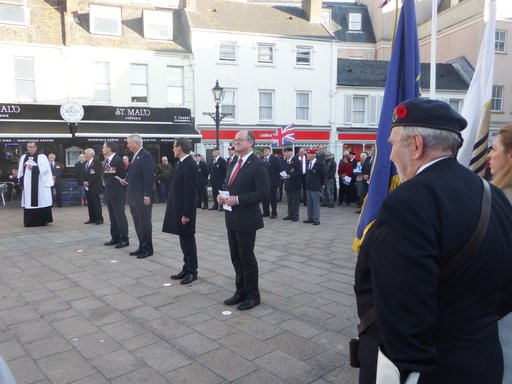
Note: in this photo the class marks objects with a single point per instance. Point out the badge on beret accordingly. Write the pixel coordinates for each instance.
(400, 112)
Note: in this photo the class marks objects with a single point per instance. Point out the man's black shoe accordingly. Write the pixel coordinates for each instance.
(221, 209)
(205, 207)
(316, 222)
(295, 219)
(123, 244)
(89, 222)
(214, 208)
(308, 221)
(249, 303)
(287, 218)
(144, 254)
(99, 222)
(274, 216)
(112, 242)
(235, 299)
(137, 252)
(179, 276)
(266, 215)
(188, 279)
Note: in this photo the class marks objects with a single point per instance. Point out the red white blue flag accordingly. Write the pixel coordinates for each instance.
(283, 135)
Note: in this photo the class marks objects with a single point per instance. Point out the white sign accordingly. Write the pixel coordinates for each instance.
(72, 112)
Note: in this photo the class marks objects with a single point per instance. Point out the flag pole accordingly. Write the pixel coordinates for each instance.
(433, 50)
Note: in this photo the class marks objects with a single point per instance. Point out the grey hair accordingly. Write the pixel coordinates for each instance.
(91, 151)
(136, 138)
(434, 139)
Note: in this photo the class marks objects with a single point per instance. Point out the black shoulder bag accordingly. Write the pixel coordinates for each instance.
(457, 262)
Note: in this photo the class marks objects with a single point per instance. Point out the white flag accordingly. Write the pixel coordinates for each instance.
(477, 105)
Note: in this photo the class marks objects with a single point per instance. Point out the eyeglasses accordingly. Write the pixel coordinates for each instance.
(239, 140)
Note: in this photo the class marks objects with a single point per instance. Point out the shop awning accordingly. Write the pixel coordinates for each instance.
(59, 129)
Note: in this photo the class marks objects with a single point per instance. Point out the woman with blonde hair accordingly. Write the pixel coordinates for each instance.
(500, 163)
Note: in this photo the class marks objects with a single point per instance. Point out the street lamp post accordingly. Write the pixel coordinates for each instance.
(217, 116)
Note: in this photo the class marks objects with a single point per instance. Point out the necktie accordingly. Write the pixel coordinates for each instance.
(310, 166)
(235, 172)
(86, 166)
(107, 164)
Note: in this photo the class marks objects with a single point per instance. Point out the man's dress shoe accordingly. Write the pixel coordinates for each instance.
(308, 221)
(274, 216)
(249, 303)
(89, 222)
(112, 242)
(144, 254)
(188, 279)
(179, 276)
(137, 252)
(214, 208)
(99, 222)
(287, 218)
(123, 244)
(237, 298)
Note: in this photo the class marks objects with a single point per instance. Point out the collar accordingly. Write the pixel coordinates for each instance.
(184, 157)
(424, 166)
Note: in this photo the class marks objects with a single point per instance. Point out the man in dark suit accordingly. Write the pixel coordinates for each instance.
(304, 167)
(315, 178)
(248, 185)
(57, 185)
(424, 329)
(274, 168)
(93, 170)
(115, 195)
(232, 156)
(180, 214)
(139, 181)
(217, 171)
(201, 182)
(292, 184)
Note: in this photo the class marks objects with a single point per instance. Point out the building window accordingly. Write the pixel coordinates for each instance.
(266, 53)
(497, 98)
(157, 25)
(227, 52)
(266, 111)
(101, 82)
(456, 104)
(157, 3)
(500, 41)
(228, 105)
(14, 12)
(359, 109)
(139, 83)
(354, 21)
(24, 78)
(175, 85)
(105, 20)
(326, 19)
(302, 106)
(304, 56)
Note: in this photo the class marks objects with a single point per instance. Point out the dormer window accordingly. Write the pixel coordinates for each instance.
(326, 19)
(354, 21)
(157, 25)
(105, 20)
(14, 12)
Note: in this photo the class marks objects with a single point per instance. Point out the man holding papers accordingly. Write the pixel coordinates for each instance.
(247, 183)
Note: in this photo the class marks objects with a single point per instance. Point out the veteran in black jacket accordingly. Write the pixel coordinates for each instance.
(180, 213)
(217, 171)
(115, 195)
(201, 182)
(445, 332)
(93, 170)
(248, 185)
(274, 168)
(292, 184)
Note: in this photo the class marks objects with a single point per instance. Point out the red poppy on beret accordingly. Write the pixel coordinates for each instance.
(400, 112)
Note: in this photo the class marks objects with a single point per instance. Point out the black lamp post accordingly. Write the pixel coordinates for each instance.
(217, 116)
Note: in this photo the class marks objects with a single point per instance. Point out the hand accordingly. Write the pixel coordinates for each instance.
(185, 220)
(29, 166)
(147, 201)
(230, 201)
(123, 182)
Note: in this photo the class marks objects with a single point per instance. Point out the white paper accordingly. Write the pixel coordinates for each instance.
(283, 174)
(120, 179)
(31, 162)
(225, 194)
(347, 180)
(387, 372)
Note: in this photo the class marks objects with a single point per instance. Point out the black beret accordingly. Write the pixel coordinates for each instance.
(231, 148)
(288, 149)
(428, 113)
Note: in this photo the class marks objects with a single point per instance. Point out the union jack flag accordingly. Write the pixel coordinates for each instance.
(384, 3)
(283, 135)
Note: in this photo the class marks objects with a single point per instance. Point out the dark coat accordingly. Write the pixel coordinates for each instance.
(448, 333)
(218, 171)
(113, 188)
(94, 176)
(182, 201)
(202, 173)
(315, 177)
(294, 170)
(140, 177)
(252, 186)
(274, 167)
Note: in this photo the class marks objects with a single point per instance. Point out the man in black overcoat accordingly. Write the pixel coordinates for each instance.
(248, 185)
(115, 195)
(93, 170)
(201, 182)
(292, 184)
(425, 331)
(274, 168)
(180, 214)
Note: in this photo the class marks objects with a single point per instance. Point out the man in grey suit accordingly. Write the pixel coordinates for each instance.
(139, 185)
(248, 184)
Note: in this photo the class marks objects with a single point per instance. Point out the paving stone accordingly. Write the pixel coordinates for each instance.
(178, 310)
(227, 364)
(246, 345)
(295, 345)
(213, 329)
(74, 327)
(168, 329)
(162, 357)
(50, 305)
(25, 371)
(73, 293)
(117, 363)
(11, 349)
(255, 327)
(96, 378)
(104, 315)
(139, 341)
(86, 304)
(259, 376)
(193, 374)
(95, 344)
(122, 301)
(123, 329)
(194, 344)
(287, 367)
(143, 375)
(143, 314)
(65, 367)
(301, 328)
(47, 347)
(157, 299)
(19, 314)
(38, 294)
(32, 330)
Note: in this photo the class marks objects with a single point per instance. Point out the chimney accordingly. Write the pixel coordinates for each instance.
(189, 4)
(313, 9)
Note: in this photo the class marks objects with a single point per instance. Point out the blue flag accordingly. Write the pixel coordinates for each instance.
(402, 83)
